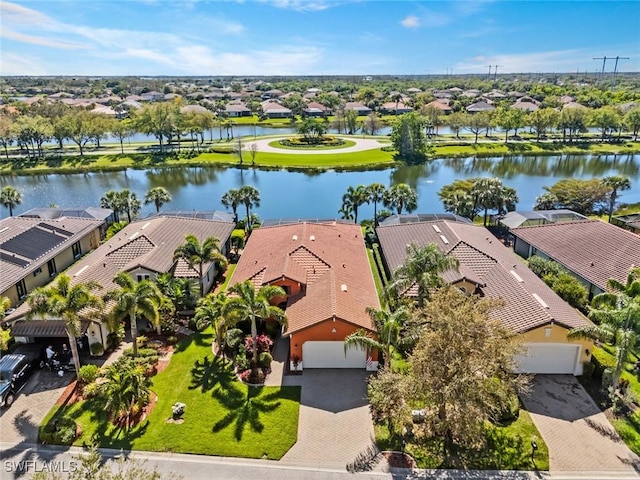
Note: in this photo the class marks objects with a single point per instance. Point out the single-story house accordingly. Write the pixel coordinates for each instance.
(439, 105)
(488, 268)
(324, 270)
(393, 108)
(315, 109)
(538, 217)
(629, 222)
(237, 110)
(480, 106)
(152, 96)
(591, 250)
(106, 215)
(526, 104)
(34, 250)
(194, 109)
(358, 107)
(275, 110)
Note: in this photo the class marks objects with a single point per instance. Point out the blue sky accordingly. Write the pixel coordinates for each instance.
(314, 37)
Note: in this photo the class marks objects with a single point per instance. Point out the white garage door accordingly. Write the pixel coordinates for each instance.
(331, 355)
(548, 358)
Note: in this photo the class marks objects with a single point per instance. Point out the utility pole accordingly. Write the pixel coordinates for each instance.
(615, 70)
(604, 64)
(490, 71)
(495, 75)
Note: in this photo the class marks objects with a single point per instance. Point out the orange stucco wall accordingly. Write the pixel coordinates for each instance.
(294, 289)
(322, 332)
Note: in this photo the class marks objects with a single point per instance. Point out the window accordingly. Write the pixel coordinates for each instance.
(22, 289)
(77, 250)
(37, 271)
(51, 265)
(286, 288)
(139, 278)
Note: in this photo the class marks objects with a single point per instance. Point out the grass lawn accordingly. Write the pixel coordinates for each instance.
(346, 144)
(228, 275)
(508, 448)
(222, 417)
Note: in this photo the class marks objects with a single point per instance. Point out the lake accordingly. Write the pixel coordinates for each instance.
(318, 195)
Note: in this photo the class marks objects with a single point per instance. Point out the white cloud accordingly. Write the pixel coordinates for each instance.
(34, 40)
(301, 5)
(411, 21)
(12, 64)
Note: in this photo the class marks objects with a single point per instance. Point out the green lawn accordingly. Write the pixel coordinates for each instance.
(346, 144)
(508, 448)
(228, 275)
(222, 417)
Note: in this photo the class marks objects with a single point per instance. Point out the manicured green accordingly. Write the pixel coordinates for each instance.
(229, 274)
(346, 144)
(376, 276)
(223, 416)
(508, 448)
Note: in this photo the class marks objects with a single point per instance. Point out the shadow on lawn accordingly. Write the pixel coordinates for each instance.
(244, 409)
(200, 339)
(207, 374)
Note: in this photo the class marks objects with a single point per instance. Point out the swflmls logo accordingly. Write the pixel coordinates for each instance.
(39, 466)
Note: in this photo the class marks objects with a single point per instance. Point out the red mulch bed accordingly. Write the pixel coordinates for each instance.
(399, 460)
(71, 394)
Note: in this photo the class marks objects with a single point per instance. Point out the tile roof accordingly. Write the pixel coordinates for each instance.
(592, 249)
(28, 243)
(329, 258)
(485, 262)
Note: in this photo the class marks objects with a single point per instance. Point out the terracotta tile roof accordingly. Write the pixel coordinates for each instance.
(329, 258)
(592, 249)
(485, 262)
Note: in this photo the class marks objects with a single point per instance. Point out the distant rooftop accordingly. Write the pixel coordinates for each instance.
(51, 213)
(423, 217)
(218, 215)
(539, 217)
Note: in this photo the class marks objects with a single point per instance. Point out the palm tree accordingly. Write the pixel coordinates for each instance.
(250, 305)
(389, 326)
(10, 197)
(197, 254)
(460, 203)
(133, 299)
(126, 390)
(250, 196)
(487, 193)
(210, 311)
(401, 197)
(112, 200)
(353, 199)
(129, 203)
(158, 196)
(231, 200)
(421, 268)
(617, 314)
(376, 193)
(615, 183)
(65, 302)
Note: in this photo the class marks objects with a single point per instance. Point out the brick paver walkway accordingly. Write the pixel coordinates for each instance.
(579, 436)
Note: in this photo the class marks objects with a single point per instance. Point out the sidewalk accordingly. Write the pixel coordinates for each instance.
(278, 375)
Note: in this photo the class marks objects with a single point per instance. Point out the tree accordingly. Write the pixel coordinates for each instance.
(581, 196)
(122, 129)
(456, 122)
(79, 126)
(372, 124)
(133, 299)
(5, 335)
(387, 391)
(605, 119)
(125, 388)
(376, 193)
(10, 197)
(253, 306)
(112, 200)
(574, 121)
(615, 184)
(509, 119)
(421, 269)
(158, 196)
(312, 130)
(632, 121)
(157, 119)
(65, 302)
(7, 135)
(568, 288)
(461, 370)
(32, 132)
(408, 137)
(231, 200)
(250, 196)
(211, 311)
(477, 122)
(401, 197)
(129, 203)
(353, 199)
(543, 119)
(351, 121)
(617, 316)
(197, 254)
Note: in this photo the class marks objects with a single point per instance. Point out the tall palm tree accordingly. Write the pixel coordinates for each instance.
(126, 390)
(250, 305)
(158, 196)
(617, 314)
(65, 302)
(231, 200)
(197, 254)
(389, 326)
(421, 268)
(376, 193)
(10, 197)
(250, 196)
(487, 193)
(133, 299)
(112, 200)
(211, 311)
(615, 183)
(129, 202)
(401, 197)
(353, 199)
(460, 203)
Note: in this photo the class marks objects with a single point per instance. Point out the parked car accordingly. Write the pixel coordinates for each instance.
(15, 370)
(33, 351)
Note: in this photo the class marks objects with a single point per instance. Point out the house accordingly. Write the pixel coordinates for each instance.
(538, 217)
(315, 109)
(488, 268)
(237, 110)
(629, 222)
(33, 250)
(105, 215)
(526, 104)
(393, 108)
(574, 105)
(273, 93)
(151, 96)
(195, 109)
(591, 250)
(275, 110)
(439, 105)
(480, 106)
(144, 249)
(358, 107)
(324, 269)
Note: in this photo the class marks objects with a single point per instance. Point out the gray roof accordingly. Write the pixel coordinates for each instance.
(422, 217)
(201, 214)
(53, 213)
(515, 219)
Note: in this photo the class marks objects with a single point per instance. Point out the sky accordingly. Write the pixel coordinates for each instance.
(315, 37)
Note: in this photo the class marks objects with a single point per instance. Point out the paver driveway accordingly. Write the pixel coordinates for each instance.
(579, 436)
(335, 424)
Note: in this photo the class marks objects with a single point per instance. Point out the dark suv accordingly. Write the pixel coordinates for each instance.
(15, 370)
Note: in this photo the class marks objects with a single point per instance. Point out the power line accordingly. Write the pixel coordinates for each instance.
(615, 69)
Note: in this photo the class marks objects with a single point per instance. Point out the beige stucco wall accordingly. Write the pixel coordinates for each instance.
(558, 334)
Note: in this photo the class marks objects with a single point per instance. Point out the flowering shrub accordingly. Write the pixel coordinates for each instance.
(244, 376)
(264, 344)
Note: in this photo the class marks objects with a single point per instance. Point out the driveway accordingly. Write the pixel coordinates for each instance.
(335, 424)
(19, 423)
(579, 436)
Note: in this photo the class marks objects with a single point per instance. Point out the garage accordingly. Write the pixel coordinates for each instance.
(549, 358)
(332, 355)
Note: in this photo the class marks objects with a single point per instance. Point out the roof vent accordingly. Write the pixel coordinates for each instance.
(294, 238)
(444, 239)
(134, 235)
(145, 225)
(435, 227)
(312, 238)
(516, 276)
(540, 300)
(343, 287)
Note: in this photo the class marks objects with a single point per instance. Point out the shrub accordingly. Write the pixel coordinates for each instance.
(96, 348)
(142, 352)
(265, 359)
(114, 339)
(588, 369)
(59, 431)
(172, 339)
(91, 390)
(264, 343)
(601, 361)
(88, 374)
(542, 267)
(142, 341)
(242, 362)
